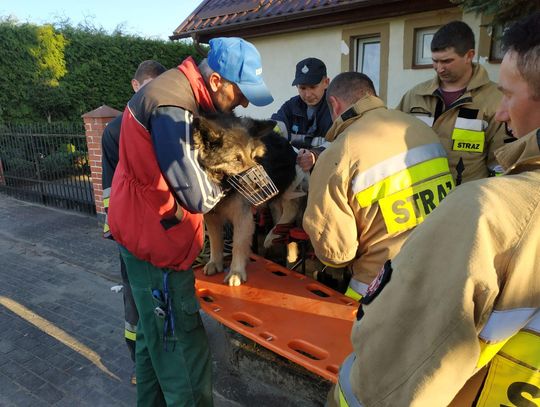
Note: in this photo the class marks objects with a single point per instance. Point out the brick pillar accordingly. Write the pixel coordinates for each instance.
(94, 123)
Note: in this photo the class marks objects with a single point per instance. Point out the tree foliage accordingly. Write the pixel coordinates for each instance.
(503, 11)
(59, 72)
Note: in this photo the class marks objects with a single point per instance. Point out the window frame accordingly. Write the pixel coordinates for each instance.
(348, 60)
(364, 40)
(496, 41)
(413, 25)
(415, 62)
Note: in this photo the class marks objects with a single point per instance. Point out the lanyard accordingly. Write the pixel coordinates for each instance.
(165, 310)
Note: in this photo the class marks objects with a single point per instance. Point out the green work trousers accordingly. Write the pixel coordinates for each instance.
(180, 375)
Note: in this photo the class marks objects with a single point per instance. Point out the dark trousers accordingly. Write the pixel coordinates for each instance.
(131, 316)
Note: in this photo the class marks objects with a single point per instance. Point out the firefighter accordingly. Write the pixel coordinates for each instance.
(380, 176)
(459, 103)
(454, 318)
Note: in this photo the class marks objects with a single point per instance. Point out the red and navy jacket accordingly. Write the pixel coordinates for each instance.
(159, 191)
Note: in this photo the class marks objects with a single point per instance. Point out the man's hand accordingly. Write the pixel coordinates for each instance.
(305, 159)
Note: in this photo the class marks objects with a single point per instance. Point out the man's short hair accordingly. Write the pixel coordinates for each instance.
(523, 38)
(148, 69)
(455, 34)
(206, 72)
(350, 87)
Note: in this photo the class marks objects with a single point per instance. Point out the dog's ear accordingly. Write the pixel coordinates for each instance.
(258, 149)
(207, 131)
(260, 128)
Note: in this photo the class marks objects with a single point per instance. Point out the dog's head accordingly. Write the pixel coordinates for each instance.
(228, 145)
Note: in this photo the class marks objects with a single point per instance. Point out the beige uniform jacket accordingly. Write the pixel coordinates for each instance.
(360, 204)
(467, 129)
(474, 257)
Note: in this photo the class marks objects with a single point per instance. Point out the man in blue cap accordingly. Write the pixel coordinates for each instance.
(158, 197)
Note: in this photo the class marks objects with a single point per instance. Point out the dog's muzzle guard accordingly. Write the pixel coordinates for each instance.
(254, 184)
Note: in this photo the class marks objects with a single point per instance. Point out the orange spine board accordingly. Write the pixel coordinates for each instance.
(286, 312)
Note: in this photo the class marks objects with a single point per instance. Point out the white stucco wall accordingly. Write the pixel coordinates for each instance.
(280, 53)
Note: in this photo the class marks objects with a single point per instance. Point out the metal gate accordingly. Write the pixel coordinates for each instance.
(47, 164)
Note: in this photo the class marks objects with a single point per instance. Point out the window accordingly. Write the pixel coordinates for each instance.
(418, 33)
(496, 53)
(368, 52)
(422, 46)
(368, 58)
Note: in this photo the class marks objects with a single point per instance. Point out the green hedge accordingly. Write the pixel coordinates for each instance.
(58, 73)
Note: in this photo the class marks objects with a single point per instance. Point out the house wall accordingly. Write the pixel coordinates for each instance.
(280, 53)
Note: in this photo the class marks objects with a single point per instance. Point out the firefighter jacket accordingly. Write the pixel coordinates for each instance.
(110, 140)
(382, 174)
(455, 316)
(159, 189)
(467, 128)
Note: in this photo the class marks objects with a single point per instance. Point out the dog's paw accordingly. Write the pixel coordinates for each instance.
(235, 278)
(212, 268)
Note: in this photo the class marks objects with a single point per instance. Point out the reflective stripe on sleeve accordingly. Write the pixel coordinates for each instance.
(503, 325)
(356, 289)
(346, 396)
(391, 166)
(514, 372)
(426, 119)
(402, 180)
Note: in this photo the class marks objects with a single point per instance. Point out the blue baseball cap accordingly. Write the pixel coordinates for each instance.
(239, 62)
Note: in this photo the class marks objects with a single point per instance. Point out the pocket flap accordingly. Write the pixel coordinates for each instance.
(191, 306)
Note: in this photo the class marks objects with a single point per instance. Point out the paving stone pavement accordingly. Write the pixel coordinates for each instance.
(61, 327)
(58, 322)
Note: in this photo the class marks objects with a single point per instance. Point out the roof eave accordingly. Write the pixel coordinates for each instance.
(321, 18)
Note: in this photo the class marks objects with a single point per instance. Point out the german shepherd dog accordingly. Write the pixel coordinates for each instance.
(228, 145)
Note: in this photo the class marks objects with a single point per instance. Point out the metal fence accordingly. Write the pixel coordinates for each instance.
(47, 164)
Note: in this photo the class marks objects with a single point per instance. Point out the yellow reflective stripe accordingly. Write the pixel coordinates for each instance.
(514, 373)
(503, 326)
(357, 289)
(353, 294)
(401, 180)
(468, 140)
(106, 202)
(409, 207)
(342, 401)
(510, 384)
(488, 352)
(106, 227)
(132, 336)
(524, 348)
(468, 135)
(395, 164)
